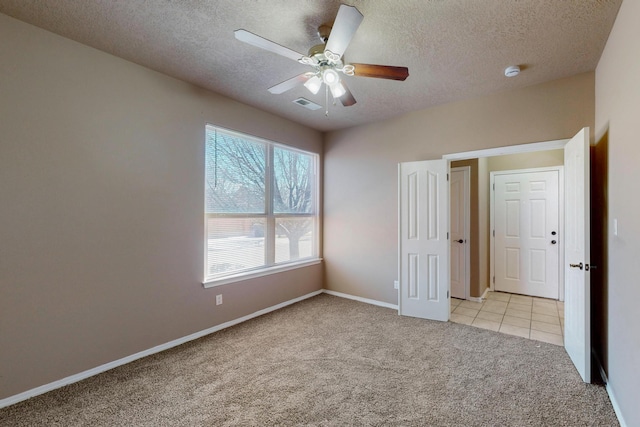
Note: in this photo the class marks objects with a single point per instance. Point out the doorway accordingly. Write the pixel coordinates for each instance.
(424, 265)
(479, 233)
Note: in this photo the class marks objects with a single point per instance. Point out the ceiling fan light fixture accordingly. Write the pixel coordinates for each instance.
(337, 89)
(313, 84)
(330, 76)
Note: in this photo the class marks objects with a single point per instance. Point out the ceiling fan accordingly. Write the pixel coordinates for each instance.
(326, 59)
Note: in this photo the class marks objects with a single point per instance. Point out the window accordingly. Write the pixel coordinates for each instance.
(260, 205)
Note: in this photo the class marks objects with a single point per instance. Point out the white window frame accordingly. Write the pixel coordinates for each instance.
(270, 266)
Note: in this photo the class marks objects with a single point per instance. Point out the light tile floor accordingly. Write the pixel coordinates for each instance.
(528, 317)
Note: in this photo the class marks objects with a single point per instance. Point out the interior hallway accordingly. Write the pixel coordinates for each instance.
(535, 318)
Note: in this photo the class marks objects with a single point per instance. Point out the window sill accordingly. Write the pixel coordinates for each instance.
(263, 272)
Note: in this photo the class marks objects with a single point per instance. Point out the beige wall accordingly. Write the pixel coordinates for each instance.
(101, 209)
(538, 159)
(617, 118)
(361, 169)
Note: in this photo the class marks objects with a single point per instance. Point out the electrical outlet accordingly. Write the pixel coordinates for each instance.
(396, 285)
(218, 299)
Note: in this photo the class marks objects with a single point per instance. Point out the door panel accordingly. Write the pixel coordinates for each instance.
(526, 214)
(424, 248)
(459, 196)
(577, 326)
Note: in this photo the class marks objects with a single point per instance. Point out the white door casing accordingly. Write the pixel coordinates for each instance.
(423, 245)
(577, 313)
(526, 224)
(459, 225)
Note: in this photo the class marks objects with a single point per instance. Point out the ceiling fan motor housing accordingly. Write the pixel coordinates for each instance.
(320, 60)
(317, 52)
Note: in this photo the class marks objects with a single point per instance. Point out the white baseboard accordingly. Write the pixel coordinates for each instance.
(616, 407)
(365, 300)
(107, 366)
(612, 397)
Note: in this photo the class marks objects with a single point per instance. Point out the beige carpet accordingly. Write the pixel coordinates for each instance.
(328, 361)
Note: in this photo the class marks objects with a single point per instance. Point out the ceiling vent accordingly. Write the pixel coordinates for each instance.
(307, 104)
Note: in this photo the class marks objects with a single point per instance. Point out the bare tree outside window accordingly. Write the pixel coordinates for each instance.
(293, 194)
(235, 171)
(251, 187)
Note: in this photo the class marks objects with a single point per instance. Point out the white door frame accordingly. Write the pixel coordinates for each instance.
(557, 144)
(492, 237)
(467, 227)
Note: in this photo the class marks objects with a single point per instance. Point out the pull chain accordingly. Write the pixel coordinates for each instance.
(326, 100)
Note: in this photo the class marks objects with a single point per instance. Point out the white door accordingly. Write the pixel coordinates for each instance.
(577, 325)
(526, 225)
(423, 223)
(459, 226)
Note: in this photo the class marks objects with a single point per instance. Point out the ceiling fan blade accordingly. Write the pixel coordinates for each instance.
(381, 71)
(261, 42)
(347, 22)
(347, 99)
(290, 83)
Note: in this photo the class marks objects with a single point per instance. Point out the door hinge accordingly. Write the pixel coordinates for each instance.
(494, 280)
(447, 177)
(494, 187)
(494, 233)
(447, 235)
(447, 294)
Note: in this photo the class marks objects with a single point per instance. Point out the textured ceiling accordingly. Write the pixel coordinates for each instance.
(454, 49)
